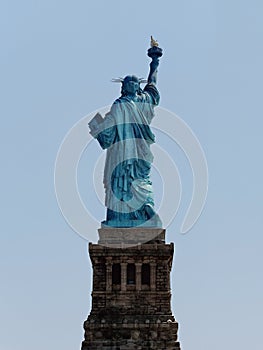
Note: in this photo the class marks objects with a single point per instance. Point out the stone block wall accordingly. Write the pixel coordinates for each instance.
(129, 314)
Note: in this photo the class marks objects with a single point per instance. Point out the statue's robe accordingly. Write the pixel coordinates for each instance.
(125, 133)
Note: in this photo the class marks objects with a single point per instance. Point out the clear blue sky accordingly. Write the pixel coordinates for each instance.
(57, 59)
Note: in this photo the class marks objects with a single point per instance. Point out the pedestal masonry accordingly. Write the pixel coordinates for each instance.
(131, 295)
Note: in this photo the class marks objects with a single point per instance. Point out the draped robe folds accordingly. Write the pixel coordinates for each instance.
(126, 134)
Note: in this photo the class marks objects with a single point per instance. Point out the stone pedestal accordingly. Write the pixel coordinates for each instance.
(131, 292)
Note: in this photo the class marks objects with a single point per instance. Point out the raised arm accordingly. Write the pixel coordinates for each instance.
(152, 77)
(155, 52)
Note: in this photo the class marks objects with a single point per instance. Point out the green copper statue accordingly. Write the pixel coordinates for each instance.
(125, 133)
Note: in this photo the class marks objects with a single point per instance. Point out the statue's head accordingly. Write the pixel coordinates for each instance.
(130, 85)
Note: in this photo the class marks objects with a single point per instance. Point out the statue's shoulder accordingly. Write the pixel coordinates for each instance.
(117, 101)
(120, 102)
(117, 105)
(151, 90)
(121, 99)
(150, 87)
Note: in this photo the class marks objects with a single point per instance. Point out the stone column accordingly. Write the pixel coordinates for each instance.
(153, 276)
(123, 276)
(138, 276)
(108, 276)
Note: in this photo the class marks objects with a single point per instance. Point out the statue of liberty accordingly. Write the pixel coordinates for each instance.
(126, 135)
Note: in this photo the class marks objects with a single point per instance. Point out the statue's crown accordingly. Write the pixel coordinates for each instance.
(121, 80)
